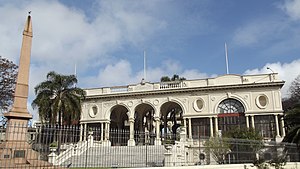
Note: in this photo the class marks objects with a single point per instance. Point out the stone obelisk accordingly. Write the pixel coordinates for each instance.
(16, 145)
(19, 112)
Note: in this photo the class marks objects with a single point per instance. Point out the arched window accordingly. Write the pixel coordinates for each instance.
(231, 115)
(230, 106)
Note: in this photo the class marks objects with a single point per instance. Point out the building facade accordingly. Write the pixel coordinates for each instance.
(205, 107)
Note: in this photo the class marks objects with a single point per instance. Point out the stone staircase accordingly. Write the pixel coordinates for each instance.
(118, 156)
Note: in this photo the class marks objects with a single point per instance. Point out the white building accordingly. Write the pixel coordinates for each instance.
(206, 107)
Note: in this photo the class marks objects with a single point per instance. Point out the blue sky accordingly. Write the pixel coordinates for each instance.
(106, 39)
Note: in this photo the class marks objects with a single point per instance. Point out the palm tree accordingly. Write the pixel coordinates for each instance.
(58, 100)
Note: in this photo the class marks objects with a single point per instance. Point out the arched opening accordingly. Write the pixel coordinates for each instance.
(119, 126)
(144, 125)
(171, 120)
(231, 115)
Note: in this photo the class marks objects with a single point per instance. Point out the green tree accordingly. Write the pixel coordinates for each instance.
(165, 79)
(295, 90)
(175, 77)
(292, 123)
(294, 95)
(58, 100)
(245, 142)
(292, 114)
(8, 76)
(218, 148)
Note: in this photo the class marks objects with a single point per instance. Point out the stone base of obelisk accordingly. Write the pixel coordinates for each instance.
(15, 151)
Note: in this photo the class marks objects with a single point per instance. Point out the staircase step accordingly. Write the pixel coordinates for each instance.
(119, 156)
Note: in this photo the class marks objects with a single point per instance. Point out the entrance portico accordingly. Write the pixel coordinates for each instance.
(206, 107)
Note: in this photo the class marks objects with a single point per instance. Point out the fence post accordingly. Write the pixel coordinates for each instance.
(86, 152)
(168, 156)
(52, 158)
(90, 139)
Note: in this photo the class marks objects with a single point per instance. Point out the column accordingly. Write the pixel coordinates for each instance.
(84, 134)
(184, 124)
(107, 129)
(252, 122)
(211, 129)
(131, 141)
(216, 127)
(106, 141)
(102, 132)
(131, 128)
(157, 130)
(81, 130)
(190, 128)
(277, 125)
(282, 127)
(247, 122)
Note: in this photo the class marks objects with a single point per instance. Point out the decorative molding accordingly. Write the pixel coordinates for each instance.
(196, 105)
(259, 102)
(156, 102)
(130, 104)
(108, 104)
(228, 94)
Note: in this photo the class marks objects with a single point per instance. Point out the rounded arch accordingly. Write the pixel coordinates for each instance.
(109, 110)
(118, 116)
(183, 108)
(230, 106)
(171, 114)
(119, 125)
(231, 115)
(153, 106)
(138, 104)
(234, 97)
(144, 122)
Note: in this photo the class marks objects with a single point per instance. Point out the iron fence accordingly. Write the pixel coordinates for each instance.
(53, 146)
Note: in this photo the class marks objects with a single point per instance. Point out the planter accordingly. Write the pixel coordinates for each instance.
(53, 149)
(168, 147)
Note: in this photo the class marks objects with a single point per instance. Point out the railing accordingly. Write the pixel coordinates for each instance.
(119, 89)
(174, 151)
(73, 150)
(170, 85)
(197, 83)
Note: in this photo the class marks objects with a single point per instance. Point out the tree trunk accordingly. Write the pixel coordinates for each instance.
(60, 132)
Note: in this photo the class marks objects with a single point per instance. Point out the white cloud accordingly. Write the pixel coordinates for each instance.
(118, 74)
(286, 71)
(195, 74)
(259, 31)
(63, 36)
(121, 73)
(292, 8)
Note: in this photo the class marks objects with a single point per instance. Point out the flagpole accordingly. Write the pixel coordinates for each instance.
(226, 57)
(145, 65)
